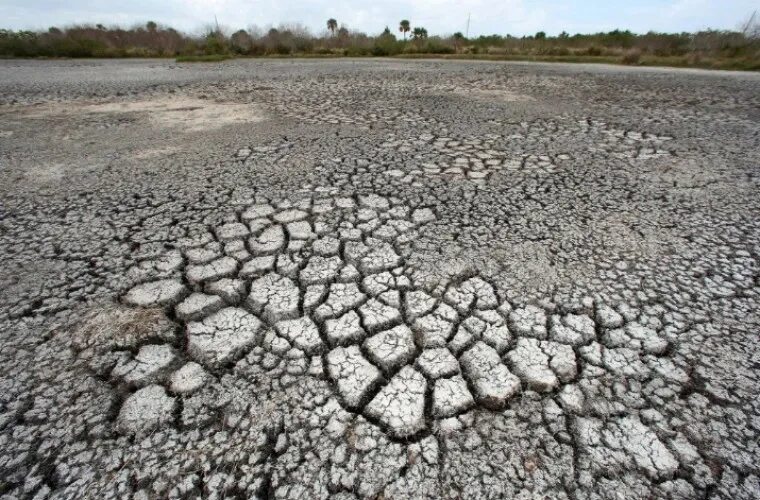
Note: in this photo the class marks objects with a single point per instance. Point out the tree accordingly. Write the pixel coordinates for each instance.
(541, 35)
(241, 41)
(419, 33)
(332, 25)
(404, 27)
(151, 26)
(216, 42)
(458, 39)
(386, 31)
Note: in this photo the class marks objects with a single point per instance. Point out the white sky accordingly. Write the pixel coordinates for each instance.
(516, 17)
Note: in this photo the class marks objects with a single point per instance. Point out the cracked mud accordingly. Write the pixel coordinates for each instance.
(378, 279)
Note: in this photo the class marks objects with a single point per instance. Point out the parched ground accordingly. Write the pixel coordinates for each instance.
(378, 279)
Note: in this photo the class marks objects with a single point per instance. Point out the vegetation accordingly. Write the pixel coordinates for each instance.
(738, 49)
(205, 58)
(404, 27)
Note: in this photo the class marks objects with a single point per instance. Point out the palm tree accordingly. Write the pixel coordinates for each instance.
(404, 27)
(419, 33)
(332, 25)
(151, 26)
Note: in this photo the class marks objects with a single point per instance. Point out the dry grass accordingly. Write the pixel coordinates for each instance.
(113, 326)
(204, 58)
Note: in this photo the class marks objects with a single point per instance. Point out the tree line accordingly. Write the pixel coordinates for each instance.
(740, 47)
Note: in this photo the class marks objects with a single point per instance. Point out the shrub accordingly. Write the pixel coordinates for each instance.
(216, 43)
(632, 57)
(437, 47)
(78, 47)
(204, 58)
(281, 49)
(555, 51)
(357, 51)
(593, 51)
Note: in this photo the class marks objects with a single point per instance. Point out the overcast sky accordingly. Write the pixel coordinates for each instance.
(516, 17)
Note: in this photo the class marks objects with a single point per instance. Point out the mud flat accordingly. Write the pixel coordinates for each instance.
(378, 279)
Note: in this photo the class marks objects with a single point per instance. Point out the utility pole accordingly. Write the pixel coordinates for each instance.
(467, 31)
(748, 25)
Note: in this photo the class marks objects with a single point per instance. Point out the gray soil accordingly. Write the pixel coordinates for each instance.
(378, 279)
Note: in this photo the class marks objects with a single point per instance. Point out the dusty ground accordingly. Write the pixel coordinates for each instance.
(378, 279)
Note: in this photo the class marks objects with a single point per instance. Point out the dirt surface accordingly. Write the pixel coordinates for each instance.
(378, 279)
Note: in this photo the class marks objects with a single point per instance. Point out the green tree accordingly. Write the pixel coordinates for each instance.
(216, 43)
(458, 39)
(541, 35)
(419, 33)
(385, 44)
(332, 25)
(151, 26)
(404, 27)
(241, 41)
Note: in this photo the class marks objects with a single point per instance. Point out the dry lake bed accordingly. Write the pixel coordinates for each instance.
(378, 279)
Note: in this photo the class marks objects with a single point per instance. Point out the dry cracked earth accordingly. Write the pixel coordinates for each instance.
(378, 279)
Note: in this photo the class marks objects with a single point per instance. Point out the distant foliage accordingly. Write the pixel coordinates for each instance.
(739, 49)
(98, 41)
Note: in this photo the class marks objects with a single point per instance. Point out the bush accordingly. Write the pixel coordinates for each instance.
(204, 58)
(75, 47)
(555, 51)
(593, 51)
(380, 51)
(632, 57)
(437, 47)
(281, 49)
(216, 43)
(387, 46)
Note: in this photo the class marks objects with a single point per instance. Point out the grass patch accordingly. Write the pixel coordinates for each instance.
(735, 64)
(204, 58)
(517, 57)
(628, 59)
